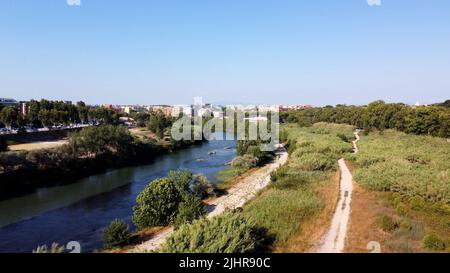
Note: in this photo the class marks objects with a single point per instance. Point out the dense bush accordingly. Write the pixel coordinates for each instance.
(388, 224)
(253, 148)
(116, 234)
(173, 199)
(415, 167)
(189, 209)
(316, 162)
(201, 187)
(94, 141)
(244, 162)
(157, 204)
(432, 241)
(227, 233)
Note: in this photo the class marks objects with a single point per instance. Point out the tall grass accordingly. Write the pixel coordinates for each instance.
(413, 166)
(291, 199)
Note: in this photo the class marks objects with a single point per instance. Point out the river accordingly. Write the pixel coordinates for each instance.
(79, 211)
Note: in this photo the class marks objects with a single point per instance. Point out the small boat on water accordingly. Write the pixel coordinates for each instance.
(200, 159)
(212, 152)
(226, 148)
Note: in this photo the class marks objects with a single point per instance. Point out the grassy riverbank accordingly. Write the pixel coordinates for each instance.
(298, 204)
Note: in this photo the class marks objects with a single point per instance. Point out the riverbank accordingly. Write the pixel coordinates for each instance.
(22, 172)
(240, 192)
(79, 211)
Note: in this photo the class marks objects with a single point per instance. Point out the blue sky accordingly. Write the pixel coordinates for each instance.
(252, 51)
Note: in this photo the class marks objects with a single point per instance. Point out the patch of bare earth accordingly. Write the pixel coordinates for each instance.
(363, 226)
(37, 145)
(367, 209)
(313, 230)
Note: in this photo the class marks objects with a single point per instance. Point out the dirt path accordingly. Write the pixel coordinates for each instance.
(37, 145)
(334, 239)
(236, 197)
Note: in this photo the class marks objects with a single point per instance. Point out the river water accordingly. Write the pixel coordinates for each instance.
(79, 211)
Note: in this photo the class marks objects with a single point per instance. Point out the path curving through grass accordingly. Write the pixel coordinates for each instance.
(334, 240)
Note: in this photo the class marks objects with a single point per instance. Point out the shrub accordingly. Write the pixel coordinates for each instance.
(244, 162)
(200, 186)
(227, 233)
(55, 248)
(175, 199)
(402, 209)
(116, 234)
(316, 162)
(190, 209)
(388, 224)
(405, 224)
(343, 137)
(278, 174)
(417, 203)
(432, 241)
(157, 204)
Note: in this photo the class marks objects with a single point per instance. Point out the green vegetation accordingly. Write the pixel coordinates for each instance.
(432, 241)
(428, 120)
(157, 204)
(91, 150)
(388, 224)
(8, 115)
(413, 166)
(159, 123)
(226, 233)
(49, 113)
(201, 187)
(244, 163)
(96, 141)
(226, 176)
(252, 148)
(414, 171)
(116, 234)
(190, 208)
(169, 200)
(291, 200)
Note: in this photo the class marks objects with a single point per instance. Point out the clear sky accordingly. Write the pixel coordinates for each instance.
(250, 51)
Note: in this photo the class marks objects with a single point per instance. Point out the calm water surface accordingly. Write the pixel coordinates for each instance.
(79, 211)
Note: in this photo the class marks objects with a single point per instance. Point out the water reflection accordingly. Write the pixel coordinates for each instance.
(80, 210)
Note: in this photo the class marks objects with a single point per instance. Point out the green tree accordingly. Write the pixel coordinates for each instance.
(8, 115)
(83, 111)
(157, 204)
(45, 117)
(96, 140)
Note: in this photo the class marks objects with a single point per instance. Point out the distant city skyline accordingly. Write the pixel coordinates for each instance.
(251, 52)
